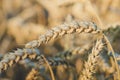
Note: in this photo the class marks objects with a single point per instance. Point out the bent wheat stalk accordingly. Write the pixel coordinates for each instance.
(113, 54)
(73, 27)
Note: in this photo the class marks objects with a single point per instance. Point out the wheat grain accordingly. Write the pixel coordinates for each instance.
(33, 75)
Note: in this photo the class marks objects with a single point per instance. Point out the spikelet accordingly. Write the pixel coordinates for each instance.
(92, 62)
(73, 27)
(33, 75)
(14, 57)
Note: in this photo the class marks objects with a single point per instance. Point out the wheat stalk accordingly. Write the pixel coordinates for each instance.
(59, 31)
(110, 48)
(51, 71)
(92, 61)
(73, 27)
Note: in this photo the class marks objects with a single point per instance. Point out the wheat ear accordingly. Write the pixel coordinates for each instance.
(14, 57)
(32, 54)
(73, 27)
(92, 61)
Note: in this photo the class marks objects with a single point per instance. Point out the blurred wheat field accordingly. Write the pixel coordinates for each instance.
(59, 39)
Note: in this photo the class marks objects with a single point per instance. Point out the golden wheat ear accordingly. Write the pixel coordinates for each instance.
(16, 56)
(89, 66)
(61, 30)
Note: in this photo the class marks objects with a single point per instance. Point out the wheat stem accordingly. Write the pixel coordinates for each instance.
(51, 71)
(113, 54)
